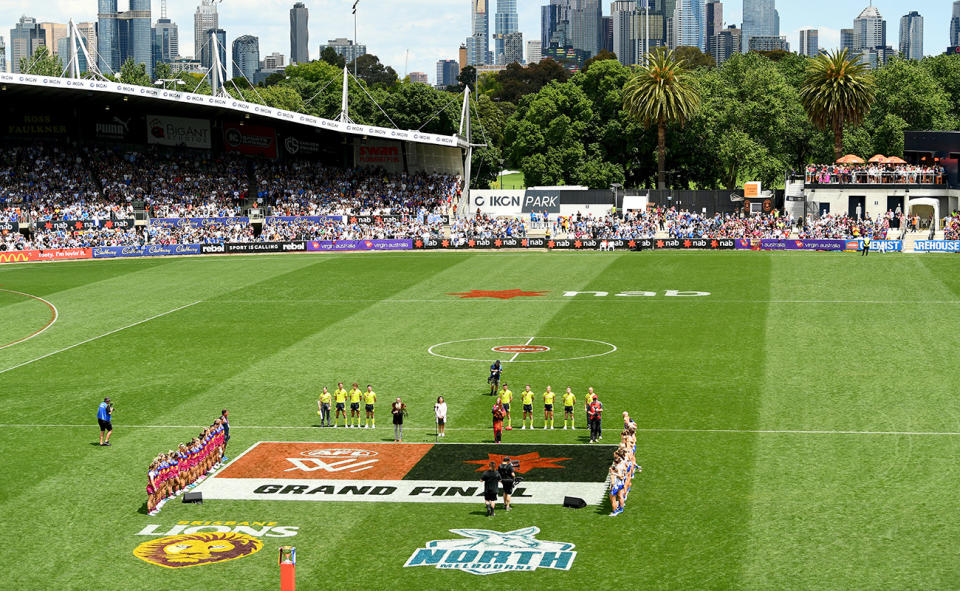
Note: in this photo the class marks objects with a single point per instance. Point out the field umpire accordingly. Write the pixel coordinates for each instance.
(507, 481)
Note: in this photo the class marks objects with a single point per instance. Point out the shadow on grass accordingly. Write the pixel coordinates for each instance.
(143, 509)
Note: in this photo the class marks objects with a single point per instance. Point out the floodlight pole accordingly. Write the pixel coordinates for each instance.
(345, 98)
(465, 134)
(355, 55)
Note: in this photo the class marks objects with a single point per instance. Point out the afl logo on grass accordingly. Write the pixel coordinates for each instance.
(197, 549)
(485, 552)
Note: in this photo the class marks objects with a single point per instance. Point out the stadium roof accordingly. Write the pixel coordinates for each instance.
(79, 91)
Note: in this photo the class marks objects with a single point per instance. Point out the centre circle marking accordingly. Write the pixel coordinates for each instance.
(54, 315)
(521, 349)
(611, 348)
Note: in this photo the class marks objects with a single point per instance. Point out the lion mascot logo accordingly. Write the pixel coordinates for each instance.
(197, 549)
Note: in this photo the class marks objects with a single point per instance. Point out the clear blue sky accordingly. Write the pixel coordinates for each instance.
(411, 35)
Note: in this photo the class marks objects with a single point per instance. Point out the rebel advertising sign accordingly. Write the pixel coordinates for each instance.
(407, 473)
(252, 140)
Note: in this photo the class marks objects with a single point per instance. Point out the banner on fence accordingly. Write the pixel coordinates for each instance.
(330, 245)
(937, 246)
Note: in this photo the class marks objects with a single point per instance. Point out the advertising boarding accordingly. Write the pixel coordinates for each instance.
(178, 131)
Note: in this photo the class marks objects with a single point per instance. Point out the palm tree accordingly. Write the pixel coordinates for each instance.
(659, 93)
(837, 91)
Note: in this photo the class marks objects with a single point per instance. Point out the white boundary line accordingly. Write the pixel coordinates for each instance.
(487, 429)
(56, 316)
(106, 334)
(613, 349)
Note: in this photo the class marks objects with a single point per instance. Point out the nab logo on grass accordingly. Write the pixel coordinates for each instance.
(485, 552)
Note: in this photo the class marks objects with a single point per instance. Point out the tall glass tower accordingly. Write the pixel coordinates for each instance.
(108, 42)
(506, 21)
(759, 20)
(299, 34)
(478, 43)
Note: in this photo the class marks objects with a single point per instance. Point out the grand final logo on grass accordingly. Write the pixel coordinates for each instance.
(485, 552)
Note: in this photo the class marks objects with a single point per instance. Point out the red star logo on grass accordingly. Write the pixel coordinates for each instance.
(506, 294)
(528, 462)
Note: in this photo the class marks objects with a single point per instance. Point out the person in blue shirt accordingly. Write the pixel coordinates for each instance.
(104, 413)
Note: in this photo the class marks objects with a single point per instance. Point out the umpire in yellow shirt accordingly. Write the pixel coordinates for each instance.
(340, 396)
(355, 395)
(369, 398)
(526, 398)
(323, 406)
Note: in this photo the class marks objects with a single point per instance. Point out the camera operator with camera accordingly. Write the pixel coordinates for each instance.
(104, 415)
(508, 479)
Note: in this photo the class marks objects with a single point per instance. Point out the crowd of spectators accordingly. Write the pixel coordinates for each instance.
(846, 227)
(852, 174)
(951, 227)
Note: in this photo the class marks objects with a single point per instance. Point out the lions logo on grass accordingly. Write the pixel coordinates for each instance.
(485, 552)
(197, 549)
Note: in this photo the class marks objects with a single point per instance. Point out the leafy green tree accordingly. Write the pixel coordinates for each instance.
(910, 92)
(330, 56)
(134, 73)
(41, 63)
(945, 69)
(162, 71)
(837, 91)
(694, 58)
(468, 78)
(661, 93)
(370, 70)
(602, 55)
(517, 81)
(419, 106)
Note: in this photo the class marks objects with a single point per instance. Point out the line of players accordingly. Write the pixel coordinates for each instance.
(624, 466)
(339, 397)
(549, 397)
(181, 469)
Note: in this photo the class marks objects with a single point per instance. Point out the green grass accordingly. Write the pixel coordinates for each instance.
(509, 181)
(732, 496)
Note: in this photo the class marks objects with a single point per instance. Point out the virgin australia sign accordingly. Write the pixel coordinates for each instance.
(484, 552)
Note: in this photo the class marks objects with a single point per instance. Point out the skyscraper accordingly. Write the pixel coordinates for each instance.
(506, 21)
(606, 34)
(246, 57)
(586, 23)
(911, 36)
(3, 55)
(63, 50)
(534, 51)
(166, 42)
(725, 44)
(627, 44)
(299, 35)
(25, 38)
(345, 48)
(204, 19)
(759, 19)
(955, 25)
(107, 33)
(513, 48)
(689, 26)
(140, 44)
(555, 26)
(478, 43)
(447, 72)
(713, 17)
(206, 51)
(809, 42)
(846, 40)
(52, 34)
(869, 30)
(89, 32)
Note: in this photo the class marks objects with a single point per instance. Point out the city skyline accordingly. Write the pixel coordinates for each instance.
(433, 29)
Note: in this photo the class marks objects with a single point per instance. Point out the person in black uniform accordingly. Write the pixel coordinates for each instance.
(494, 380)
(491, 483)
(507, 480)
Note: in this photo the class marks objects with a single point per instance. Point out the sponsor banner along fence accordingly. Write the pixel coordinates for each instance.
(53, 254)
(330, 245)
(937, 246)
(248, 247)
(178, 131)
(9, 227)
(197, 222)
(818, 244)
(75, 225)
(309, 218)
(149, 250)
(408, 473)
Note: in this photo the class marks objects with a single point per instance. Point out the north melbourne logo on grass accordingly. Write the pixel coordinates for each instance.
(485, 552)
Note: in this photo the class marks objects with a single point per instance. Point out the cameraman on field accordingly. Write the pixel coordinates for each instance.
(508, 479)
